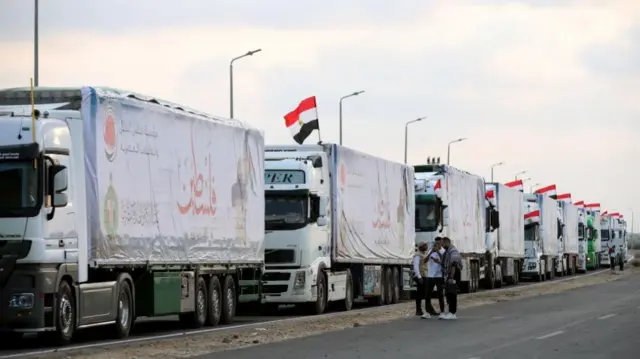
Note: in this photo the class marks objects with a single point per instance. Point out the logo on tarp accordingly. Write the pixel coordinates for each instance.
(110, 134)
(111, 213)
(342, 175)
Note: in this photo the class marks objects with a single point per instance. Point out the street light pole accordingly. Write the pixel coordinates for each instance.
(249, 53)
(340, 109)
(493, 166)
(35, 45)
(533, 186)
(520, 173)
(406, 135)
(449, 148)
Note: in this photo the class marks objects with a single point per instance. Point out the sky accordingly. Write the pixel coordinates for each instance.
(550, 87)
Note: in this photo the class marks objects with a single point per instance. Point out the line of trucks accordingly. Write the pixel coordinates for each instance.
(117, 206)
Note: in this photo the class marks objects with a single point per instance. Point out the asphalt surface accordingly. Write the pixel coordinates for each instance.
(596, 322)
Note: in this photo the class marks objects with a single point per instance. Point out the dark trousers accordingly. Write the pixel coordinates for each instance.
(451, 293)
(420, 293)
(438, 283)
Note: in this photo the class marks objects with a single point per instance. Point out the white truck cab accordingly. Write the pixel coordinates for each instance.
(540, 235)
(297, 242)
(607, 237)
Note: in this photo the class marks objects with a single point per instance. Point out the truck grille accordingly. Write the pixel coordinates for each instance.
(274, 288)
(276, 276)
(279, 256)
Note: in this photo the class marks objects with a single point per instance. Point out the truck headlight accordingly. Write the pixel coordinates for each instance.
(300, 280)
(21, 301)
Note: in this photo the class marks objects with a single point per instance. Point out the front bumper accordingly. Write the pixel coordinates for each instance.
(26, 300)
(288, 286)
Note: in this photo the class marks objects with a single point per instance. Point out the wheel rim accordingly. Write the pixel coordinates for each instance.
(66, 313)
(123, 309)
(230, 300)
(201, 303)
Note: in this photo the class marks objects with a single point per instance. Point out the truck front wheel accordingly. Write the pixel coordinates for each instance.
(66, 315)
(320, 305)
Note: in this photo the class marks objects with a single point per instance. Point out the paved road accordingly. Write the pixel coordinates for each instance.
(595, 322)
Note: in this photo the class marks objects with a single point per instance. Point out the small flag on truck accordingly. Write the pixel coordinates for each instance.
(564, 197)
(303, 120)
(548, 190)
(517, 185)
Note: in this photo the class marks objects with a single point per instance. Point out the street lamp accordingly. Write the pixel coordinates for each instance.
(631, 209)
(533, 186)
(340, 109)
(249, 53)
(406, 135)
(495, 165)
(449, 148)
(521, 173)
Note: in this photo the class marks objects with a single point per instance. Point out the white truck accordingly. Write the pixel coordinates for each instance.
(583, 246)
(607, 237)
(340, 227)
(505, 236)
(117, 206)
(457, 201)
(540, 236)
(570, 238)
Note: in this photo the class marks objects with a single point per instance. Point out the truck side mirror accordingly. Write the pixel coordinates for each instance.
(59, 184)
(495, 219)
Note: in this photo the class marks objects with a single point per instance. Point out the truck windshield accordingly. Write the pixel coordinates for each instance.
(604, 234)
(285, 212)
(530, 232)
(426, 220)
(19, 192)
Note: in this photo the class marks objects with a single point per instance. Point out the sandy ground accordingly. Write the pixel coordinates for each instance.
(200, 344)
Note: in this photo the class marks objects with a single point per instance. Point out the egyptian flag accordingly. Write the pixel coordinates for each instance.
(595, 207)
(564, 197)
(517, 185)
(303, 120)
(548, 190)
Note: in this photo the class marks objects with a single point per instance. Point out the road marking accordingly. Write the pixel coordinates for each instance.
(550, 335)
(607, 316)
(497, 317)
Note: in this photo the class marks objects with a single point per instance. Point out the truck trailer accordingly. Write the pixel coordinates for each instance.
(540, 236)
(340, 226)
(570, 241)
(505, 236)
(118, 206)
(457, 201)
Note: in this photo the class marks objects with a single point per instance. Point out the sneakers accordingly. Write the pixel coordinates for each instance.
(426, 316)
(448, 316)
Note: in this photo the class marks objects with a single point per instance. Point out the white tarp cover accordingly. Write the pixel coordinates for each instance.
(168, 186)
(548, 225)
(373, 208)
(570, 230)
(466, 213)
(511, 230)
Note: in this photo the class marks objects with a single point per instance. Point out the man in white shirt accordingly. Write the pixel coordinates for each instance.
(419, 275)
(434, 279)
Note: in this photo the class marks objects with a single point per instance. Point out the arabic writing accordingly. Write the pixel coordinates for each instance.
(199, 186)
(138, 137)
(384, 217)
(143, 213)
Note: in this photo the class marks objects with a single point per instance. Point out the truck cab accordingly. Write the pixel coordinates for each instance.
(430, 205)
(607, 238)
(534, 261)
(561, 260)
(297, 241)
(593, 239)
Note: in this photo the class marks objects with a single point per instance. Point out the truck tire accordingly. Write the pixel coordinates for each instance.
(387, 285)
(197, 318)
(124, 316)
(214, 298)
(228, 300)
(395, 294)
(65, 315)
(347, 304)
(320, 305)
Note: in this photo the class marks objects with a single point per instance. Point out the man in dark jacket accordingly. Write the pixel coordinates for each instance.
(451, 266)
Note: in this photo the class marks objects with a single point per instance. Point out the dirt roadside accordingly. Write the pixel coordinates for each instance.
(194, 345)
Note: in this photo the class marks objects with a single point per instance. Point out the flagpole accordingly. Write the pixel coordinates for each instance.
(318, 119)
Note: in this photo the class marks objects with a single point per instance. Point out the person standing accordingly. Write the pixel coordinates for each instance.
(451, 266)
(434, 278)
(419, 275)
